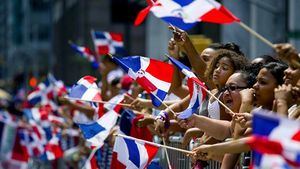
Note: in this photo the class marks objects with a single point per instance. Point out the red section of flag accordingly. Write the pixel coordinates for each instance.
(116, 36)
(220, 16)
(115, 163)
(103, 50)
(160, 70)
(151, 150)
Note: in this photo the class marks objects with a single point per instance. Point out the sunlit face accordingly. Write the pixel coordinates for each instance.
(222, 71)
(291, 75)
(231, 95)
(207, 55)
(264, 88)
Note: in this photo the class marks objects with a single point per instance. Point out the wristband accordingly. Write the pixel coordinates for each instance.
(165, 118)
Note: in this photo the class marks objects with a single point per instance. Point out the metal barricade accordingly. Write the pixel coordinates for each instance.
(178, 159)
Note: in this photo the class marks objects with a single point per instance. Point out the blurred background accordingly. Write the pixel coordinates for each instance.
(34, 34)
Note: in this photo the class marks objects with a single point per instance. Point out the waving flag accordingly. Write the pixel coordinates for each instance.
(86, 53)
(275, 141)
(197, 93)
(86, 90)
(96, 132)
(43, 94)
(185, 14)
(153, 75)
(33, 140)
(129, 127)
(132, 154)
(53, 149)
(108, 42)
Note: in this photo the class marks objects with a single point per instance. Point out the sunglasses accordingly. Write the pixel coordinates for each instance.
(233, 88)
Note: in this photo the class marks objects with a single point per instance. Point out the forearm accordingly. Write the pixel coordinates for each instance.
(176, 87)
(177, 107)
(219, 129)
(235, 146)
(229, 161)
(87, 110)
(196, 62)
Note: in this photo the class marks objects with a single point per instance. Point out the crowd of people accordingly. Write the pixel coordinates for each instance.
(219, 129)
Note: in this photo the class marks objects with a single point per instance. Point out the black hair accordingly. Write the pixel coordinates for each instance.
(249, 73)
(239, 62)
(215, 46)
(268, 59)
(233, 47)
(277, 70)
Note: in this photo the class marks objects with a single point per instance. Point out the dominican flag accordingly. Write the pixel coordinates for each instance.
(86, 89)
(97, 132)
(132, 154)
(108, 43)
(197, 93)
(42, 94)
(86, 53)
(19, 152)
(53, 149)
(275, 141)
(153, 75)
(185, 14)
(33, 140)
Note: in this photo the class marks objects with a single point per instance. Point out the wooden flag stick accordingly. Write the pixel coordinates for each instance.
(104, 102)
(247, 28)
(90, 156)
(212, 95)
(174, 114)
(167, 155)
(155, 144)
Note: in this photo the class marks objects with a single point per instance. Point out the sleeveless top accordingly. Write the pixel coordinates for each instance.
(214, 109)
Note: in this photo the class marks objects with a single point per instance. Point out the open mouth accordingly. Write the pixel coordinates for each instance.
(228, 101)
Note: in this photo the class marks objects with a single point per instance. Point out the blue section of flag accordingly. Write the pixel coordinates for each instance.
(179, 64)
(183, 2)
(35, 100)
(268, 123)
(78, 91)
(161, 95)
(99, 35)
(133, 151)
(120, 51)
(188, 112)
(133, 62)
(126, 121)
(90, 130)
(178, 22)
(48, 132)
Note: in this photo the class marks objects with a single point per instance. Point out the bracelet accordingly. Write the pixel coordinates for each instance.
(165, 118)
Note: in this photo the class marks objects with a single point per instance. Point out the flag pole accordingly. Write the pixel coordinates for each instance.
(167, 155)
(247, 28)
(155, 144)
(90, 156)
(104, 102)
(212, 95)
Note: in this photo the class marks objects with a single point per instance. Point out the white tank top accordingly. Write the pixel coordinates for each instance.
(214, 109)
